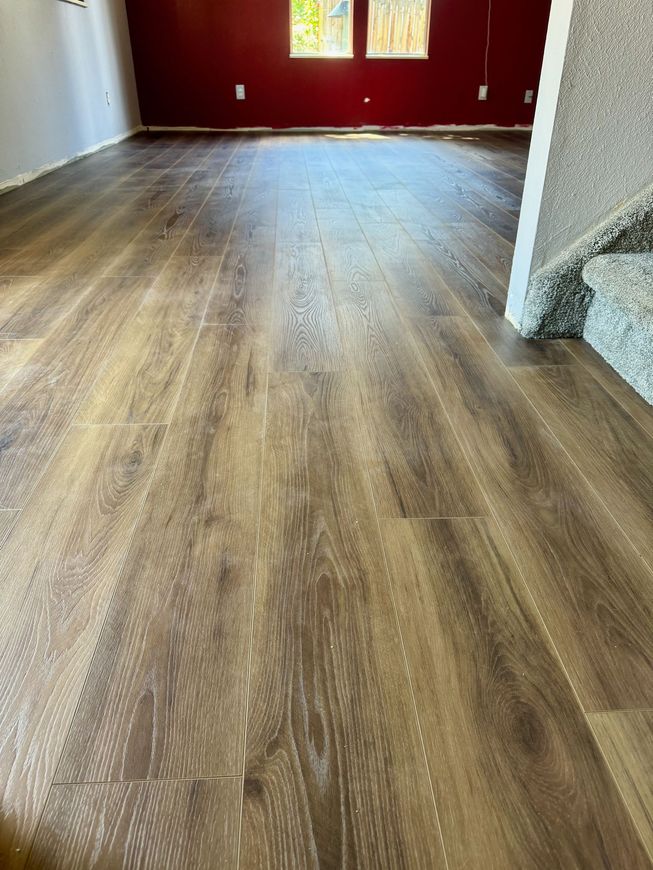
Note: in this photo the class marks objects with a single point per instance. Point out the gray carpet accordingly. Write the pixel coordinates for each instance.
(558, 299)
(619, 322)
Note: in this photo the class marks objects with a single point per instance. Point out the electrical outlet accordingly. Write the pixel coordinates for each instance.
(240, 92)
(528, 96)
(482, 92)
(107, 97)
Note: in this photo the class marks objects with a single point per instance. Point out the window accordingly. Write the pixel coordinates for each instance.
(321, 28)
(398, 28)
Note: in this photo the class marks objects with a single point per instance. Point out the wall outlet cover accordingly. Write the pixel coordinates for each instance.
(240, 92)
(482, 92)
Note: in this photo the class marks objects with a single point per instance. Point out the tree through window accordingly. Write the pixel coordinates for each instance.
(321, 28)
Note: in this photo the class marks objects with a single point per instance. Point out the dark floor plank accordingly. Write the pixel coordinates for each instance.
(334, 773)
(609, 447)
(518, 779)
(593, 590)
(41, 400)
(142, 824)
(482, 297)
(416, 466)
(626, 739)
(166, 692)
(59, 568)
(305, 330)
(636, 406)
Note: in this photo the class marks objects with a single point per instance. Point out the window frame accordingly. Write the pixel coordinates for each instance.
(395, 55)
(296, 55)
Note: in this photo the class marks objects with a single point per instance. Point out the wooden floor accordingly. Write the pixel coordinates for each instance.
(307, 558)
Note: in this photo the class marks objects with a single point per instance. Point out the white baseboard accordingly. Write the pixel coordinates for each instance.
(436, 128)
(25, 177)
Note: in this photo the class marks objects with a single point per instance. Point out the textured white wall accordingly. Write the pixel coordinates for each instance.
(56, 62)
(593, 139)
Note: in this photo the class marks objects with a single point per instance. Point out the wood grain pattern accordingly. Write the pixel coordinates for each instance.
(7, 522)
(166, 693)
(626, 739)
(243, 289)
(518, 778)
(41, 399)
(592, 588)
(296, 223)
(305, 334)
(348, 255)
(142, 824)
(58, 570)
(365, 277)
(334, 773)
(604, 441)
(482, 298)
(33, 310)
(415, 463)
(417, 288)
(210, 231)
(14, 355)
(145, 369)
(639, 409)
(158, 241)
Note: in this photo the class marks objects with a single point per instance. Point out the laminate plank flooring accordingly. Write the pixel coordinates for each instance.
(148, 825)
(145, 369)
(327, 690)
(166, 693)
(604, 441)
(14, 355)
(59, 567)
(589, 582)
(626, 739)
(41, 400)
(489, 688)
(631, 401)
(307, 559)
(416, 466)
(305, 334)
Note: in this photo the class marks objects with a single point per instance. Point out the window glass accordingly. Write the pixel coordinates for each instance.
(398, 28)
(321, 28)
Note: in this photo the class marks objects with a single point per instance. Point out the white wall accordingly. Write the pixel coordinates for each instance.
(57, 60)
(592, 144)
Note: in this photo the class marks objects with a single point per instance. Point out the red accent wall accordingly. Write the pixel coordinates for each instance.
(189, 55)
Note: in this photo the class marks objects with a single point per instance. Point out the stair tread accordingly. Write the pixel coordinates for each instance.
(628, 280)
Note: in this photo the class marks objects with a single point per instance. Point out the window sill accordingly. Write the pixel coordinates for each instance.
(321, 56)
(396, 57)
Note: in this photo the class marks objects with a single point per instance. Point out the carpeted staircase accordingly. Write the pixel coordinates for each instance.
(619, 322)
(601, 288)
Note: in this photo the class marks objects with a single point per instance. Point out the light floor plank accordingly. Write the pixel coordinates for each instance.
(119, 826)
(166, 692)
(58, 570)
